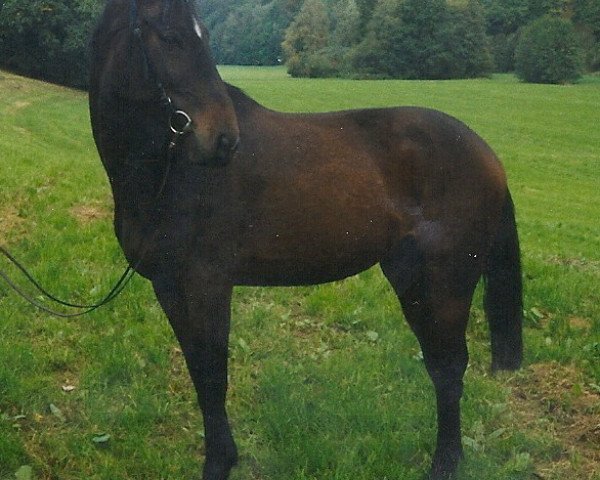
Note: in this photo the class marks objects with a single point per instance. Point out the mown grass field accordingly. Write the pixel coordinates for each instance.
(326, 382)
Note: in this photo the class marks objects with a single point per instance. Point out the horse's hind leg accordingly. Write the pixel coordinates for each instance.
(440, 328)
(438, 312)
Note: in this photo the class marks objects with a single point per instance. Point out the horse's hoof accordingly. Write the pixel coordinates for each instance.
(440, 475)
(218, 470)
(215, 472)
(444, 466)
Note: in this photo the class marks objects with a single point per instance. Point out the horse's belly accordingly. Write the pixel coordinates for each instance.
(301, 271)
(320, 221)
(312, 252)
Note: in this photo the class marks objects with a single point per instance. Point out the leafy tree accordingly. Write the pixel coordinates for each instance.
(403, 39)
(502, 48)
(376, 54)
(48, 40)
(246, 32)
(346, 23)
(307, 35)
(539, 8)
(345, 34)
(424, 39)
(587, 14)
(470, 45)
(365, 9)
(508, 16)
(505, 16)
(548, 52)
(250, 35)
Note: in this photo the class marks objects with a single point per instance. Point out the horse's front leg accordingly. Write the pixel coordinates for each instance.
(198, 309)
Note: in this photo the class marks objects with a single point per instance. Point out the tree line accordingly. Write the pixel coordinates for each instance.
(550, 41)
(542, 40)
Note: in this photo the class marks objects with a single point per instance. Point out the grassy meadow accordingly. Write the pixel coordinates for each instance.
(327, 382)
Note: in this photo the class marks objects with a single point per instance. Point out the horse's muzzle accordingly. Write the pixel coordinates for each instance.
(217, 153)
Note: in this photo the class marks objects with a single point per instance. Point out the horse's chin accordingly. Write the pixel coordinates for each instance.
(206, 159)
(217, 157)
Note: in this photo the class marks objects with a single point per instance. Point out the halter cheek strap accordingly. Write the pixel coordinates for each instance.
(166, 10)
(135, 26)
(180, 122)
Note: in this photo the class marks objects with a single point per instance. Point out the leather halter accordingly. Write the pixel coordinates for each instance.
(180, 122)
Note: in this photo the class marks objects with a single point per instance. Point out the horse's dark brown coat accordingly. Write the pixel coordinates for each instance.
(306, 198)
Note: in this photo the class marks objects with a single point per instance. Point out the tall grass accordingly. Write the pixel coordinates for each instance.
(327, 382)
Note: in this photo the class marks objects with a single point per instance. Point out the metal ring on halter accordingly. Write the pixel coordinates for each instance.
(180, 122)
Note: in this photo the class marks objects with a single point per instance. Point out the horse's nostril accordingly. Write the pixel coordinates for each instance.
(226, 147)
(223, 144)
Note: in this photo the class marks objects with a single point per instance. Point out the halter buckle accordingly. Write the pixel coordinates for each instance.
(180, 122)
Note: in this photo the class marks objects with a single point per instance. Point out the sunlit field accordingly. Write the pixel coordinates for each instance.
(326, 382)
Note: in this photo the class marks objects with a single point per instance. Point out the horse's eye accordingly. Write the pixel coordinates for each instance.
(173, 39)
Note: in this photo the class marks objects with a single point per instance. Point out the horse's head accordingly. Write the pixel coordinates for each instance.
(157, 58)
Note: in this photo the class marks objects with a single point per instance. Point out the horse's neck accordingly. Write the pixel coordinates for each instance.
(242, 103)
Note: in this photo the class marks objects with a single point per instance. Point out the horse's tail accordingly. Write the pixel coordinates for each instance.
(503, 299)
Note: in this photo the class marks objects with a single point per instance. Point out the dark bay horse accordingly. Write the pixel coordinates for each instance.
(213, 190)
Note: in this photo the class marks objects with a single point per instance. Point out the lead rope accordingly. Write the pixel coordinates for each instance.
(116, 290)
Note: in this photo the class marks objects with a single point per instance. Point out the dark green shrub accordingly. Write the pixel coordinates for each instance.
(320, 65)
(548, 51)
(424, 39)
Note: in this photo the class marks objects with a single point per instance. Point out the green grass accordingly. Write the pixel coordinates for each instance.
(326, 382)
